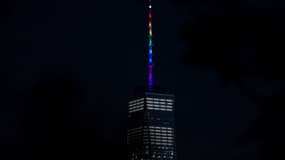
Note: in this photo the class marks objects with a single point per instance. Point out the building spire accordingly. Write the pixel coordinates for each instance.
(150, 46)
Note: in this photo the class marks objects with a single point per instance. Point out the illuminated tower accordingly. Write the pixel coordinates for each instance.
(151, 128)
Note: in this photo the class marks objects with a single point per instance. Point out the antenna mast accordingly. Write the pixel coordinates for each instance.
(150, 45)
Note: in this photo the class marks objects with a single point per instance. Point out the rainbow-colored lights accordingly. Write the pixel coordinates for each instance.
(150, 45)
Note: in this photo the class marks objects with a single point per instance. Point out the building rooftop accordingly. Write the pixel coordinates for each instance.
(158, 91)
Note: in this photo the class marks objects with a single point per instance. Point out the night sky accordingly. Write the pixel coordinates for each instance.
(68, 68)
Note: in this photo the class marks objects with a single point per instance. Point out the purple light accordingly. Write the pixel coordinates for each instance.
(150, 78)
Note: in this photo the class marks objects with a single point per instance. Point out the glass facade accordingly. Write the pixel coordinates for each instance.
(151, 132)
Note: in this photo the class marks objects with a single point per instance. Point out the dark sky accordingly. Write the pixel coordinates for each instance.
(68, 68)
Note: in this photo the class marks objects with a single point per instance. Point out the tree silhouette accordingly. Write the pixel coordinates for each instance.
(244, 44)
(48, 124)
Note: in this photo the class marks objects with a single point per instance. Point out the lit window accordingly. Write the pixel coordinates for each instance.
(150, 105)
(149, 101)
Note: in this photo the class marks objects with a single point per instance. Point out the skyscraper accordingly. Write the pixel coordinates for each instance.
(151, 131)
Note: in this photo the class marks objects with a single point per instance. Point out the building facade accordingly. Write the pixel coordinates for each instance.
(151, 132)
